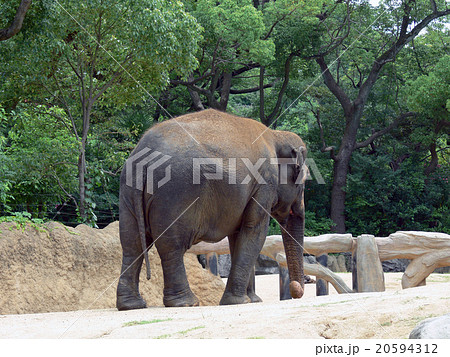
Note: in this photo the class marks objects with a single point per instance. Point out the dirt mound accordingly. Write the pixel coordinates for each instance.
(65, 269)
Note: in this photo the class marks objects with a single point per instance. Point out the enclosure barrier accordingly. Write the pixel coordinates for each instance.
(427, 251)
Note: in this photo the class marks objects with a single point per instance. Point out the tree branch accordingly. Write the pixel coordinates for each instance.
(333, 86)
(64, 103)
(114, 78)
(107, 85)
(225, 90)
(381, 132)
(17, 23)
(245, 68)
(433, 6)
(64, 190)
(390, 54)
(191, 80)
(277, 22)
(262, 112)
(287, 70)
(324, 148)
(251, 90)
(434, 159)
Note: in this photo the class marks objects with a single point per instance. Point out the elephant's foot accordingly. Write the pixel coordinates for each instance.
(185, 299)
(130, 302)
(231, 299)
(254, 298)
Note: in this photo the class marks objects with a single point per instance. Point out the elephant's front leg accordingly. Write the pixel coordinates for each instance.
(247, 245)
(251, 290)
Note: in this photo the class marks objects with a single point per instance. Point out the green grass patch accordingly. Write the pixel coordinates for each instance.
(144, 322)
(415, 320)
(163, 336)
(190, 329)
(184, 332)
(71, 231)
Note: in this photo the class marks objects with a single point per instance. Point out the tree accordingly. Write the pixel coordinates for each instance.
(5, 184)
(116, 53)
(17, 23)
(361, 43)
(429, 95)
(40, 159)
(232, 45)
(247, 48)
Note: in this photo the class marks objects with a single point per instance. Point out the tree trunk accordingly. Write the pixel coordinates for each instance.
(82, 183)
(434, 160)
(82, 170)
(195, 96)
(340, 170)
(196, 100)
(341, 167)
(225, 91)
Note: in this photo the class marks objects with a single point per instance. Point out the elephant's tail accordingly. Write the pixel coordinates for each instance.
(141, 226)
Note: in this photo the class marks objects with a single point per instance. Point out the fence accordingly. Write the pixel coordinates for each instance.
(427, 251)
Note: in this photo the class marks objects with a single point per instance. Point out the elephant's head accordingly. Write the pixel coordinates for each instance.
(290, 208)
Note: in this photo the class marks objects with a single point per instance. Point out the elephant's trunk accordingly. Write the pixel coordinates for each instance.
(293, 238)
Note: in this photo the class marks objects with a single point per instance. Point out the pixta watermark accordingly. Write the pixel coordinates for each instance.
(141, 167)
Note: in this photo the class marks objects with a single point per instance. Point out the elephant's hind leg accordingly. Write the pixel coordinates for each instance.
(128, 297)
(177, 292)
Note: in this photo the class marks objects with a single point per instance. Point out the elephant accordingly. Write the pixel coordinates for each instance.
(217, 175)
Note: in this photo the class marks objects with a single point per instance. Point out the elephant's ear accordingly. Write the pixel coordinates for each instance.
(295, 158)
(300, 169)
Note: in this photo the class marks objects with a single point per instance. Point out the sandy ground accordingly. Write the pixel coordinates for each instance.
(391, 314)
(66, 269)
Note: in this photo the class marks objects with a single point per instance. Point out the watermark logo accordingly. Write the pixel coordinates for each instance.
(213, 169)
(144, 160)
(141, 167)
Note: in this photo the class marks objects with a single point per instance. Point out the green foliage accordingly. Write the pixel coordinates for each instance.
(24, 219)
(41, 156)
(381, 201)
(135, 44)
(274, 228)
(295, 27)
(234, 29)
(316, 225)
(5, 184)
(428, 95)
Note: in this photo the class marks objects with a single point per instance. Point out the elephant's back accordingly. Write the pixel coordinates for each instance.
(209, 132)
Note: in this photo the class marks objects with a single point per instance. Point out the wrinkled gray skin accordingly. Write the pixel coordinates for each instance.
(180, 213)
